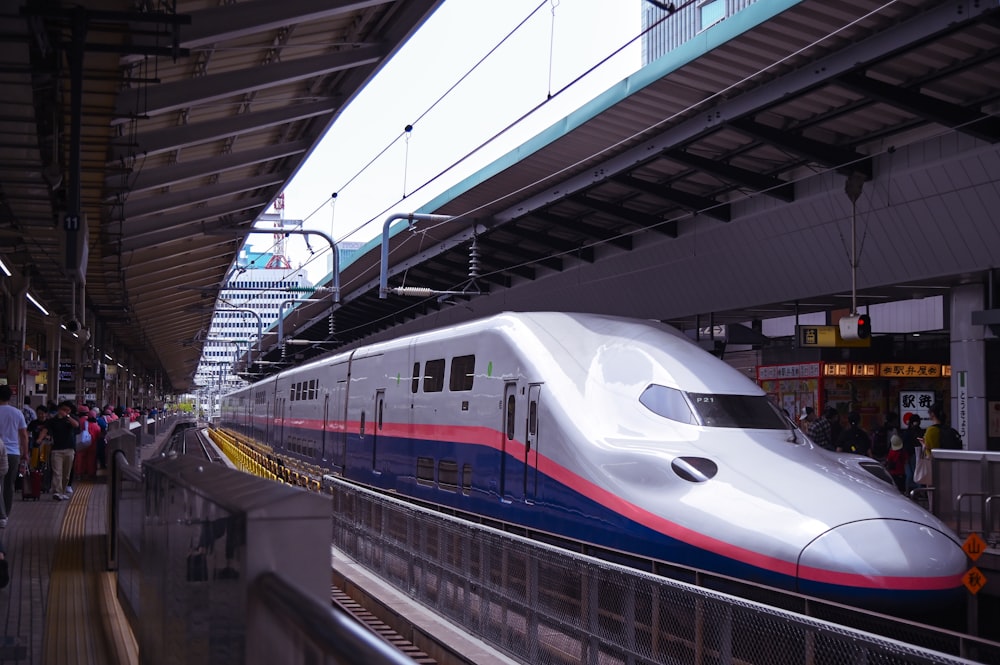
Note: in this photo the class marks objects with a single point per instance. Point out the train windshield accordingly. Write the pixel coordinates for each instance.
(710, 410)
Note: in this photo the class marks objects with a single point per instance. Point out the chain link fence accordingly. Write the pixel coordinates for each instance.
(542, 604)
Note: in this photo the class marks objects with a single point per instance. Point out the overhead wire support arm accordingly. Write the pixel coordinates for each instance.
(302, 232)
(383, 278)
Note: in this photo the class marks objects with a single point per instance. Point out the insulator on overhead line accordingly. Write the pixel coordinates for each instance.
(417, 291)
(474, 259)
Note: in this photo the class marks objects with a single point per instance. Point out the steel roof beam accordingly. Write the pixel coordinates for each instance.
(966, 120)
(145, 180)
(229, 22)
(691, 202)
(590, 231)
(842, 159)
(158, 204)
(167, 97)
(166, 229)
(758, 182)
(546, 241)
(941, 17)
(175, 138)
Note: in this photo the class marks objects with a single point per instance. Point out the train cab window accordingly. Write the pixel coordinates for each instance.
(743, 411)
(415, 381)
(511, 402)
(667, 402)
(434, 376)
(448, 475)
(463, 371)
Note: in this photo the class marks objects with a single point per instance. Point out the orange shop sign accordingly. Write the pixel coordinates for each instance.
(904, 370)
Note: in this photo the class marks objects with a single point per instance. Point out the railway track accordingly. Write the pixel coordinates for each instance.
(372, 623)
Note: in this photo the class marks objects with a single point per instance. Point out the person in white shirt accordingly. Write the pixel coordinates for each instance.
(14, 431)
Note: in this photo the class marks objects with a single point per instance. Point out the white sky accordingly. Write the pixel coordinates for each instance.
(403, 174)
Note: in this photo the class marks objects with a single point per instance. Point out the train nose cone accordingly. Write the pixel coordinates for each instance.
(882, 554)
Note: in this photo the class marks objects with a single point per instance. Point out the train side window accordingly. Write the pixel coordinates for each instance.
(532, 417)
(463, 371)
(467, 479)
(415, 381)
(291, 393)
(510, 417)
(448, 475)
(425, 470)
(313, 388)
(434, 376)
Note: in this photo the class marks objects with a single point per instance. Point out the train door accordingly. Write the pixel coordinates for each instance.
(377, 424)
(326, 426)
(340, 428)
(531, 443)
(508, 429)
(279, 425)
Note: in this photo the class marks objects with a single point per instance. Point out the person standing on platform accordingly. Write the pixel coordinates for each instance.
(14, 431)
(854, 439)
(932, 435)
(911, 444)
(895, 462)
(62, 427)
(806, 418)
(820, 430)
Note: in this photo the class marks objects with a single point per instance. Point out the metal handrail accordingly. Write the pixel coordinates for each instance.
(988, 516)
(334, 634)
(959, 512)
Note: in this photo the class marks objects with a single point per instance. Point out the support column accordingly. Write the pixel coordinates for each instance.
(967, 410)
(54, 344)
(17, 322)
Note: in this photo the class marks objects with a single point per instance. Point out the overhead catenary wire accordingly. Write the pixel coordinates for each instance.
(671, 117)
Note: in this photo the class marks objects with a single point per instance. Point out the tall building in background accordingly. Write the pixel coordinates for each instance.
(262, 284)
(673, 28)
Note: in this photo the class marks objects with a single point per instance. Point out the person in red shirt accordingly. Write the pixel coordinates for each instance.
(895, 462)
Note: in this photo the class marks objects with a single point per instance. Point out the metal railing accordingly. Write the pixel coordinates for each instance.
(279, 614)
(215, 565)
(542, 604)
(966, 491)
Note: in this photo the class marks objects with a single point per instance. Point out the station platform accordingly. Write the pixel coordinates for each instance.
(60, 606)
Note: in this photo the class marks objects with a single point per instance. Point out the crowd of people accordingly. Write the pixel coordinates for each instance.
(43, 446)
(897, 447)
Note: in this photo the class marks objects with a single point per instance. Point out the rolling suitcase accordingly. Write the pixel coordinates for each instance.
(32, 486)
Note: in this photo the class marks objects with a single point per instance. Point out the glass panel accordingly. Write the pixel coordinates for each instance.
(434, 376)
(463, 370)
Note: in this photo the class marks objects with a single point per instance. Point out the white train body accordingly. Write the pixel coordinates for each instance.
(611, 431)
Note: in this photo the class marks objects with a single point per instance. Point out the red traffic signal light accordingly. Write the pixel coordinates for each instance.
(856, 326)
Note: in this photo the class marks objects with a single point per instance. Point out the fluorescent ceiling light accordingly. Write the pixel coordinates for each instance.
(37, 304)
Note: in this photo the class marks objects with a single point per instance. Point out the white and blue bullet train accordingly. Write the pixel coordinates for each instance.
(611, 431)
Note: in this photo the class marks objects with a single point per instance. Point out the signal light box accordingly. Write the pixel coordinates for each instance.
(827, 336)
